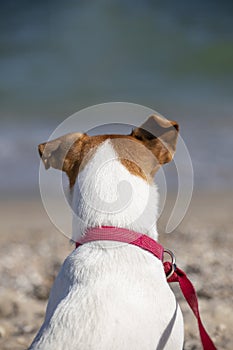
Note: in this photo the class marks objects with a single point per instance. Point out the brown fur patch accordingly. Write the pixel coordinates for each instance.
(89, 146)
(135, 156)
(142, 152)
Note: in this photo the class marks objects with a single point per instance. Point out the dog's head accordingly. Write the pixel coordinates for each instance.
(142, 152)
(111, 176)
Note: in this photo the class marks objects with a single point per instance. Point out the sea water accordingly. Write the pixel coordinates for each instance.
(58, 57)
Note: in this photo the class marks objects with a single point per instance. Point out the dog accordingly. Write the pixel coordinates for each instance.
(110, 295)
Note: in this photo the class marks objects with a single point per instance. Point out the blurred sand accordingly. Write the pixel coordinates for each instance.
(32, 251)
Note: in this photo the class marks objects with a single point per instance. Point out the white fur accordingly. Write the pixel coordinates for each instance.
(107, 194)
(115, 298)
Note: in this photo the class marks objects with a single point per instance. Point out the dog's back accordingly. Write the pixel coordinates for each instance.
(111, 298)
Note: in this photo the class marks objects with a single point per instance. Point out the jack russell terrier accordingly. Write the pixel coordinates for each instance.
(112, 295)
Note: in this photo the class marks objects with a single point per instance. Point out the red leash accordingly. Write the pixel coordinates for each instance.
(191, 298)
(173, 273)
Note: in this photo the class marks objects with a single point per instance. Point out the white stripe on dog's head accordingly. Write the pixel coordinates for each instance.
(106, 193)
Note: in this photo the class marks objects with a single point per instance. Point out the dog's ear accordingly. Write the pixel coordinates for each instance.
(159, 135)
(59, 153)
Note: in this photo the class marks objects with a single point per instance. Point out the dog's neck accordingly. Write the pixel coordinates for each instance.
(107, 194)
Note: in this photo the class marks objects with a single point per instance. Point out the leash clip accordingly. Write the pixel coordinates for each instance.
(173, 262)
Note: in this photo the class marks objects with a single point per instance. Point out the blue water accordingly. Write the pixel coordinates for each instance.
(58, 57)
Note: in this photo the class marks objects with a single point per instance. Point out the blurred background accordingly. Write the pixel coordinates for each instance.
(58, 57)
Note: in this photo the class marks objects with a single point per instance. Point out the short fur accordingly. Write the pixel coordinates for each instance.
(106, 295)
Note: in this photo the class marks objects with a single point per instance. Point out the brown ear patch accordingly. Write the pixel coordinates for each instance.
(48, 152)
(159, 135)
(60, 153)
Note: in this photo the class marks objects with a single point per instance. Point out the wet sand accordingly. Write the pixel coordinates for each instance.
(32, 251)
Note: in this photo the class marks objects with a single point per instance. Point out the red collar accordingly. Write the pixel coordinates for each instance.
(173, 273)
(109, 233)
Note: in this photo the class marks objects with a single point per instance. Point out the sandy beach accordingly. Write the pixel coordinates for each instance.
(32, 251)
